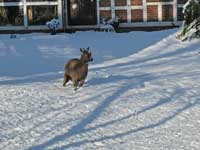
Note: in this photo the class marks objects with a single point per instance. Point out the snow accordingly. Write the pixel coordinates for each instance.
(191, 28)
(142, 92)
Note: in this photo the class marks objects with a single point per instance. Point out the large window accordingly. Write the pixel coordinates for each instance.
(11, 16)
(11, 0)
(39, 0)
(39, 15)
(31, 14)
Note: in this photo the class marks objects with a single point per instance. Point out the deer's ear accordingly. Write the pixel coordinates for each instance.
(88, 48)
(81, 50)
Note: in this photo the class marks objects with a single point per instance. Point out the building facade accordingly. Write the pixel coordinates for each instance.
(80, 14)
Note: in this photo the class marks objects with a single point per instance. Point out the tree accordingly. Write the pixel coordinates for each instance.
(191, 28)
(191, 11)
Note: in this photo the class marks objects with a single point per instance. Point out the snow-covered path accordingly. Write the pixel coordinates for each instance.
(147, 99)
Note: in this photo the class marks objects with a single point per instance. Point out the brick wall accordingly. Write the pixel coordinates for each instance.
(152, 13)
(136, 2)
(105, 14)
(120, 2)
(104, 3)
(137, 15)
(122, 14)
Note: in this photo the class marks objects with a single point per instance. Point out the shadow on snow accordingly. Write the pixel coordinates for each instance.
(133, 82)
(80, 127)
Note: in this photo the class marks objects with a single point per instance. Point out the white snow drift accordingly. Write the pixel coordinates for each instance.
(142, 92)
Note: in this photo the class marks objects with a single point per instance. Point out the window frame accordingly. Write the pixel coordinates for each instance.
(25, 4)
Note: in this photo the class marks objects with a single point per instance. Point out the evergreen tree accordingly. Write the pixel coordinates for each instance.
(191, 11)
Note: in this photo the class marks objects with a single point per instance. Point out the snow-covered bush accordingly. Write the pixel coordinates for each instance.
(191, 26)
(111, 25)
(13, 36)
(53, 25)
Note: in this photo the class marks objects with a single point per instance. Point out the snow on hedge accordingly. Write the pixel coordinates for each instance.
(109, 25)
(53, 25)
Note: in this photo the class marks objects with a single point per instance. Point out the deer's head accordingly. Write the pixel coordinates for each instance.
(86, 55)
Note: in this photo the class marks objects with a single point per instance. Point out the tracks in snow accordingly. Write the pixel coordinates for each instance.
(147, 101)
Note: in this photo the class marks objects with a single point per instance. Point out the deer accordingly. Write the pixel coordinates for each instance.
(76, 70)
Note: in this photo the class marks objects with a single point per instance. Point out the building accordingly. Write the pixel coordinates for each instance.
(80, 14)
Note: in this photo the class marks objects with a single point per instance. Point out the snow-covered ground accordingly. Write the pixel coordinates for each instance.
(142, 92)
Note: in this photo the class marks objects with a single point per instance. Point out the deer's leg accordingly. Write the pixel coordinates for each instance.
(75, 83)
(81, 82)
(66, 79)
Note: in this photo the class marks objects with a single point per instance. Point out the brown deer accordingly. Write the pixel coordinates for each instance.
(76, 70)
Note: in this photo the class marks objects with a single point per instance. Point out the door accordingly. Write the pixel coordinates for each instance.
(82, 12)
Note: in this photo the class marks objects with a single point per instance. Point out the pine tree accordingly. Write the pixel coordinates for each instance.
(191, 11)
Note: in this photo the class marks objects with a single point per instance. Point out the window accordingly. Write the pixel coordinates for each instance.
(11, 16)
(180, 14)
(39, 15)
(11, 1)
(167, 12)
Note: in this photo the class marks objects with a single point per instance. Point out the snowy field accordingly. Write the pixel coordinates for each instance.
(142, 92)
